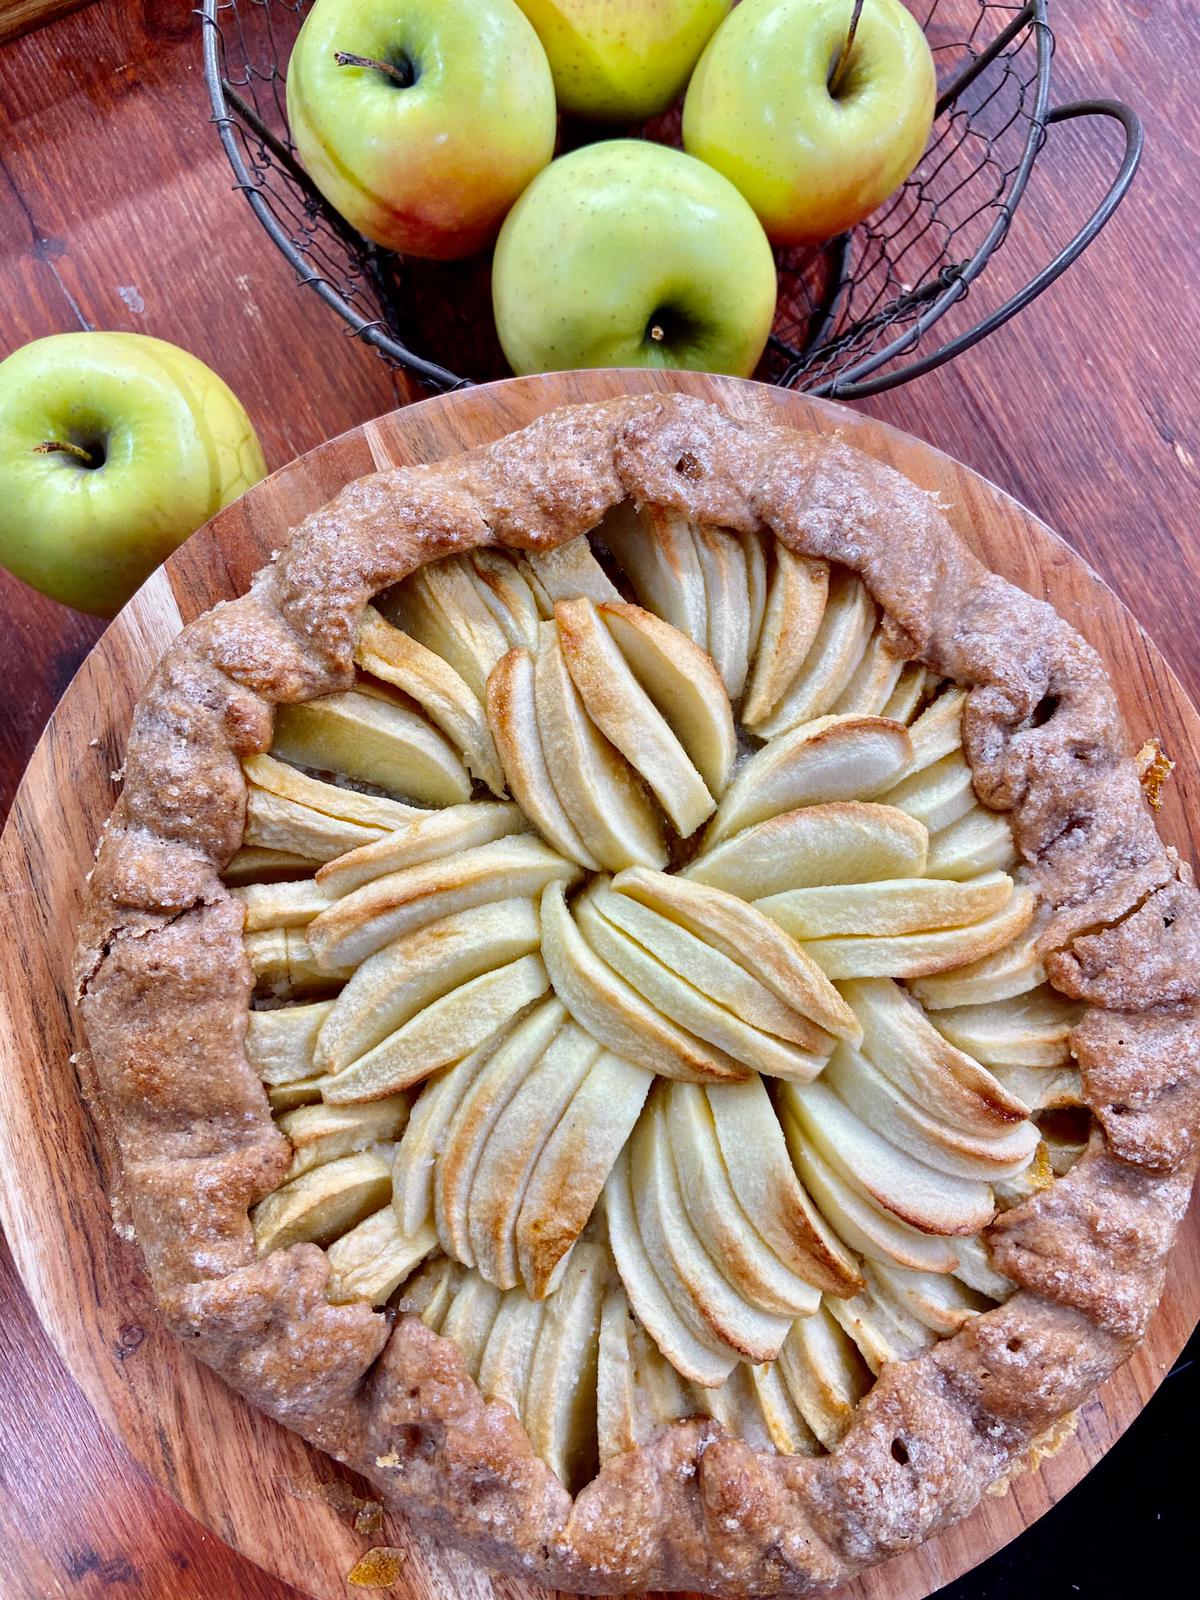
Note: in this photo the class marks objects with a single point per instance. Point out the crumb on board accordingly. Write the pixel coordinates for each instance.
(1154, 767)
(378, 1569)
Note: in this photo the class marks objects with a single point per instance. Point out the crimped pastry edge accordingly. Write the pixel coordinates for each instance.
(164, 987)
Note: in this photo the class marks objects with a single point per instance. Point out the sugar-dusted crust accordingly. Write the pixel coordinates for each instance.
(164, 985)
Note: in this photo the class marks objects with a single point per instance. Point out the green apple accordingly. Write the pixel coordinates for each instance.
(421, 120)
(630, 254)
(814, 142)
(113, 448)
(622, 60)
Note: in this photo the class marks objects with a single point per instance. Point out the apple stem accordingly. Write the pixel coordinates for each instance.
(57, 446)
(402, 77)
(838, 70)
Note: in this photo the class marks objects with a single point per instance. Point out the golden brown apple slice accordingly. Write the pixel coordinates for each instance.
(873, 681)
(881, 1336)
(513, 1147)
(825, 1375)
(625, 714)
(764, 1180)
(682, 682)
(366, 919)
(942, 1304)
(748, 938)
(573, 1167)
(911, 687)
(683, 1004)
(285, 826)
(903, 1043)
(507, 1357)
(323, 1203)
(787, 1431)
(860, 1223)
(934, 1202)
(1012, 970)
(937, 732)
(976, 1271)
(470, 644)
(477, 1113)
(796, 598)
(260, 864)
(703, 1296)
(373, 813)
(606, 1005)
(1030, 1030)
(872, 1096)
(846, 626)
(571, 570)
(981, 841)
(847, 841)
(424, 1136)
(937, 795)
(369, 1263)
(754, 549)
(284, 963)
(621, 1423)
(469, 1318)
(512, 714)
(429, 1293)
(916, 955)
(698, 1356)
(393, 657)
(657, 552)
(442, 1032)
(727, 598)
(735, 1243)
(503, 589)
(373, 739)
(834, 758)
(895, 906)
(708, 969)
(430, 836)
(280, 1042)
(394, 984)
(452, 587)
(296, 1092)
(281, 905)
(600, 794)
(560, 1401)
(318, 1134)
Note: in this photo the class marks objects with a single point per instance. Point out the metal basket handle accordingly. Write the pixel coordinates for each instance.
(1134, 142)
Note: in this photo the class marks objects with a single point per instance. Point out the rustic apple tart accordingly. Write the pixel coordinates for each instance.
(640, 1004)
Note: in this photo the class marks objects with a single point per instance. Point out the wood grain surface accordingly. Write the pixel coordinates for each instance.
(234, 1470)
(116, 210)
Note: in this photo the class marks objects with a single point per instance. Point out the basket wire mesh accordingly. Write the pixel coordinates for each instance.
(854, 315)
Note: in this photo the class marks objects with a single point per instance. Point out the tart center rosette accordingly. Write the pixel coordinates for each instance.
(666, 1061)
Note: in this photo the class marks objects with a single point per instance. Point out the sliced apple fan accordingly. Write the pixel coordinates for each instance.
(666, 1076)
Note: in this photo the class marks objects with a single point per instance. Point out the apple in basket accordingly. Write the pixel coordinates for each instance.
(421, 121)
(817, 110)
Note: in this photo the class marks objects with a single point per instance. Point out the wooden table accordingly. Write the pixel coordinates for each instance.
(116, 211)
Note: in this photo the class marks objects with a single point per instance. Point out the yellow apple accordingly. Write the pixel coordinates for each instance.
(113, 448)
(814, 143)
(622, 60)
(629, 254)
(421, 120)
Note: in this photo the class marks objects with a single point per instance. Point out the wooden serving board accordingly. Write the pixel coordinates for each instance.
(232, 1468)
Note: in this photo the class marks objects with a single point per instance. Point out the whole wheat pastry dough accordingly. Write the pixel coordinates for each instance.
(165, 986)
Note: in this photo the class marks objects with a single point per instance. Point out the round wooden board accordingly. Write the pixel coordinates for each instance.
(228, 1465)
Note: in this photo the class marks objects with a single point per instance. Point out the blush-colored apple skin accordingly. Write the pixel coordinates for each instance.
(759, 110)
(621, 238)
(622, 60)
(170, 445)
(429, 169)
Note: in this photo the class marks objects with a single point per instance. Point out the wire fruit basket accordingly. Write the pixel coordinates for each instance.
(855, 315)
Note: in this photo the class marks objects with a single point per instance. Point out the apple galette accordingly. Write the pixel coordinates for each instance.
(641, 1006)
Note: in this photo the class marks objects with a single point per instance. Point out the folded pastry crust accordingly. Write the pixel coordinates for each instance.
(164, 987)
